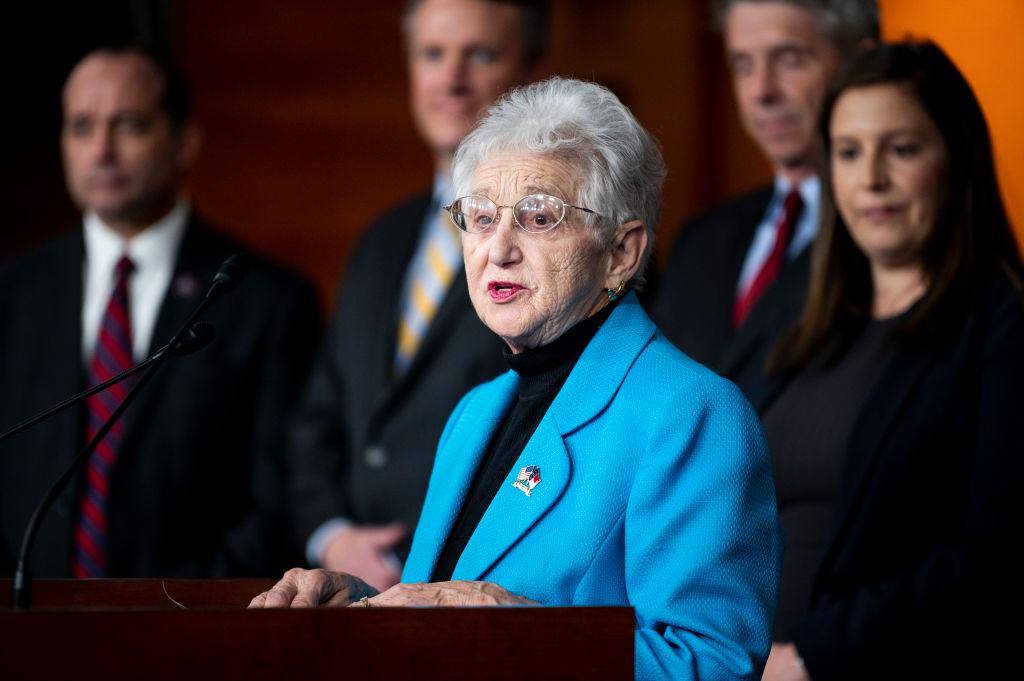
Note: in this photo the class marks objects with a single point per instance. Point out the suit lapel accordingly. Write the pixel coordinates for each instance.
(872, 427)
(194, 269)
(392, 275)
(880, 413)
(391, 282)
(450, 310)
(747, 217)
(60, 365)
(778, 307)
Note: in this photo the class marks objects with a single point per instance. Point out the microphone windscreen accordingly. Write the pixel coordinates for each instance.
(232, 272)
(198, 337)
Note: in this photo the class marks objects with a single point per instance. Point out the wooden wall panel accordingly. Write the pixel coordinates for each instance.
(308, 133)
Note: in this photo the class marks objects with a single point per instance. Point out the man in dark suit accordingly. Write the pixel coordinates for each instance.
(405, 343)
(190, 482)
(735, 270)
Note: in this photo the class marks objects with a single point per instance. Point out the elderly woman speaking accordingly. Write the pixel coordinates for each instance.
(606, 468)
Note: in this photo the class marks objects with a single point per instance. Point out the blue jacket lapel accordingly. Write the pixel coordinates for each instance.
(603, 366)
(512, 513)
(458, 457)
(587, 392)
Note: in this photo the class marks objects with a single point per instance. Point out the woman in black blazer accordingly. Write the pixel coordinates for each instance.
(893, 407)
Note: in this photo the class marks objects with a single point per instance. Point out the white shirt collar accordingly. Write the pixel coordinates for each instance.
(442, 190)
(153, 251)
(150, 247)
(809, 188)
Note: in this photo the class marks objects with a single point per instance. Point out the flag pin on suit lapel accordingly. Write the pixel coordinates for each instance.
(529, 477)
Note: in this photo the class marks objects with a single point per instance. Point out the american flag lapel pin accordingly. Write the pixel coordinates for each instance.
(529, 477)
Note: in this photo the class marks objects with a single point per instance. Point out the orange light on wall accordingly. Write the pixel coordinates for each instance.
(981, 38)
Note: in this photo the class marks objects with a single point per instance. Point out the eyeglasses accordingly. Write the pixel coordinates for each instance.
(536, 213)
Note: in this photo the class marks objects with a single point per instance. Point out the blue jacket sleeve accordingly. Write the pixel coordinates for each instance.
(703, 543)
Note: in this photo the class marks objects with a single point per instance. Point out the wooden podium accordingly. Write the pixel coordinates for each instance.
(132, 629)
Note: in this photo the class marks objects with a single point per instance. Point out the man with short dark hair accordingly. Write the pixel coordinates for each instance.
(405, 343)
(734, 271)
(189, 482)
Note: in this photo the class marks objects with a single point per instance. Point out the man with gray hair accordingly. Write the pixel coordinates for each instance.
(405, 343)
(734, 270)
(740, 271)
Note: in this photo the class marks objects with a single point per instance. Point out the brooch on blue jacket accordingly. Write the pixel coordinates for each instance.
(529, 477)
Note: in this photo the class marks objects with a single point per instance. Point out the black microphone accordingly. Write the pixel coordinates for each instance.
(190, 338)
(230, 274)
(198, 337)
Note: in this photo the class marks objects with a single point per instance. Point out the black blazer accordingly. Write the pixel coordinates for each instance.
(693, 301)
(363, 444)
(198, 487)
(928, 509)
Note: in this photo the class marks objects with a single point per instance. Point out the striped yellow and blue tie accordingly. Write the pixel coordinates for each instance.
(434, 266)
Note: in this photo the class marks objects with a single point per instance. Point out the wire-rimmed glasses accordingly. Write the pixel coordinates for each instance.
(535, 213)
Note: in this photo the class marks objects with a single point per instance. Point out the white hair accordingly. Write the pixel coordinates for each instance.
(587, 126)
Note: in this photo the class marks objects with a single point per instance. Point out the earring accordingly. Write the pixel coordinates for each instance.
(614, 293)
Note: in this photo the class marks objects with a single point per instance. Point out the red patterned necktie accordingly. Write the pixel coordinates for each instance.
(791, 209)
(113, 355)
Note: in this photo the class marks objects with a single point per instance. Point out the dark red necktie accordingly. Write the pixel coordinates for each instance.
(113, 355)
(784, 226)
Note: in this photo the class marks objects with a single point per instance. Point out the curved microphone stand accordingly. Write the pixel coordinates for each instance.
(228, 276)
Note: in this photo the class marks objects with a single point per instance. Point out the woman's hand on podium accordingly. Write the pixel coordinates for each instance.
(310, 588)
(446, 594)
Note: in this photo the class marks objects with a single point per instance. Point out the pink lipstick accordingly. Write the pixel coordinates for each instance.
(502, 290)
(880, 213)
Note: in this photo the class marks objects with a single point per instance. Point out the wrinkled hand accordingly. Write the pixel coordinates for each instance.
(365, 551)
(309, 588)
(446, 594)
(784, 664)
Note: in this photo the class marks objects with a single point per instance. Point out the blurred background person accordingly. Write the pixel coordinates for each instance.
(731, 269)
(605, 467)
(190, 482)
(893, 416)
(405, 343)
(278, 121)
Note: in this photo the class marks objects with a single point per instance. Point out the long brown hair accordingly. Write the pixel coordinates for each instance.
(970, 243)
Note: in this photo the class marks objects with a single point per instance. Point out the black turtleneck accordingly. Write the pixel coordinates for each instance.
(542, 372)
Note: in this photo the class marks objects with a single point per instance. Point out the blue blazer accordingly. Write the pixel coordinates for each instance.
(655, 492)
